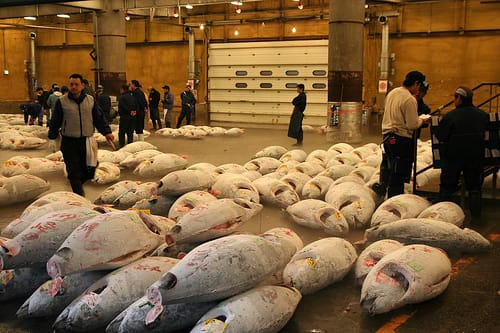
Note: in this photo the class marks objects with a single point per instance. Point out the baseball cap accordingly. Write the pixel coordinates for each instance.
(100, 87)
(464, 91)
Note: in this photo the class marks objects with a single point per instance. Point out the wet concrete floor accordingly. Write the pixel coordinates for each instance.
(471, 302)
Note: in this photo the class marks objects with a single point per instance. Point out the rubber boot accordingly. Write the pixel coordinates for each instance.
(475, 203)
(140, 137)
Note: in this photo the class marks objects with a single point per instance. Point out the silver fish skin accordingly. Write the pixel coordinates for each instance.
(157, 206)
(261, 309)
(231, 185)
(320, 264)
(21, 188)
(435, 233)
(44, 304)
(20, 282)
(445, 211)
(263, 165)
(275, 192)
(37, 243)
(182, 181)
(109, 296)
(399, 207)
(221, 268)
(107, 241)
(318, 214)
(114, 191)
(128, 198)
(230, 168)
(202, 166)
(409, 275)
(188, 201)
(355, 201)
(212, 220)
(134, 159)
(271, 151)
(173, 317)
(371, 255)
(138, 146)
(54, 201)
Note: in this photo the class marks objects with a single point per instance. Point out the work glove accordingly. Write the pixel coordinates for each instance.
(52, 146)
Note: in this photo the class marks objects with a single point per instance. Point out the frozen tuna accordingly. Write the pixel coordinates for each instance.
(127, 199)
(37, 166)
(399, 207)
(188, 201)
(161, 164)
(230, 185)
(409, 275)
(110, 295)
(54, 295)
(294, 155)
(107, 241)
(106, 172)
(317, 187)
(445, 211)
(263, 165)
(21, 188)
(50, 202)
(371, 255)
(221, 268)
(156, 206)
(435, 233)
(318, 214)
(171, 317)
(271, 151)
(37, 243)
(354, 200)
(114, 191)
(212, 220)
(20, 282)
(275, 192)
(320, 264)
(296, 180)
(262, 309)
(134, 159)
(138, 146)
(183, 181)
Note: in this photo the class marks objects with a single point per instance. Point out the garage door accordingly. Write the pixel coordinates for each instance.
(253, 84)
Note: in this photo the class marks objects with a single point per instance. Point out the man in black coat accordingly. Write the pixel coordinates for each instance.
(142, 108)
(154, 112)
(295, 126)
(127, 109)
(104, 102)
(461, 133)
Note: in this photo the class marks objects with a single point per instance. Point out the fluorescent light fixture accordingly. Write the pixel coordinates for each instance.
(30, 18)
(237, 3)
(66, 16)
(189, 6)
(5, 72)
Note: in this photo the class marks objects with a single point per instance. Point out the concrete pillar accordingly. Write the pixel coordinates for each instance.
(110, 43)
(345, 69)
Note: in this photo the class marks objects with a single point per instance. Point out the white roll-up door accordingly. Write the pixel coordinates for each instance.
(253, 84)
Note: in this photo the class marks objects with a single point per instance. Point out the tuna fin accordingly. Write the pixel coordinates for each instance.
(12, 246)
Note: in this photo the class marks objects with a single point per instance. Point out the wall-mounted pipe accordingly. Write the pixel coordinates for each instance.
(192, 61)
(384, 53)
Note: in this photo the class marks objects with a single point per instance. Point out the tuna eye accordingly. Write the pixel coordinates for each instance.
(170, 281)
(176, 229)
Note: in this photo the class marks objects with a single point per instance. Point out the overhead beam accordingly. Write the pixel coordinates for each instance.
(39, 10)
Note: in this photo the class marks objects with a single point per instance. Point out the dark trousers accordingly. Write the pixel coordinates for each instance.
(395, 169)
(126, 127)
(186, 112)
(472, 170)
(139, 123)
(75, 158)
(154, 113)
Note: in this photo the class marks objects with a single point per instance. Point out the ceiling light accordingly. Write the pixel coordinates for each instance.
(236, 32)
(300, 5)
(202, 26)
(189, 6)
(127, 16)
(294, 30)
(238, 9)
(237, 3)
(66, 16)
(176, 13)
(30, 18)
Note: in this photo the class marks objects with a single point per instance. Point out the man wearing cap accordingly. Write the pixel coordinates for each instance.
(104, 102)
(154, 112)
(51, 101)
(135, 88)
(461, 134)
(188, 101)
(168, 105)
(398, 124)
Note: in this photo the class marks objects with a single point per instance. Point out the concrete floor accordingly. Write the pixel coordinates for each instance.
(471, 303)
